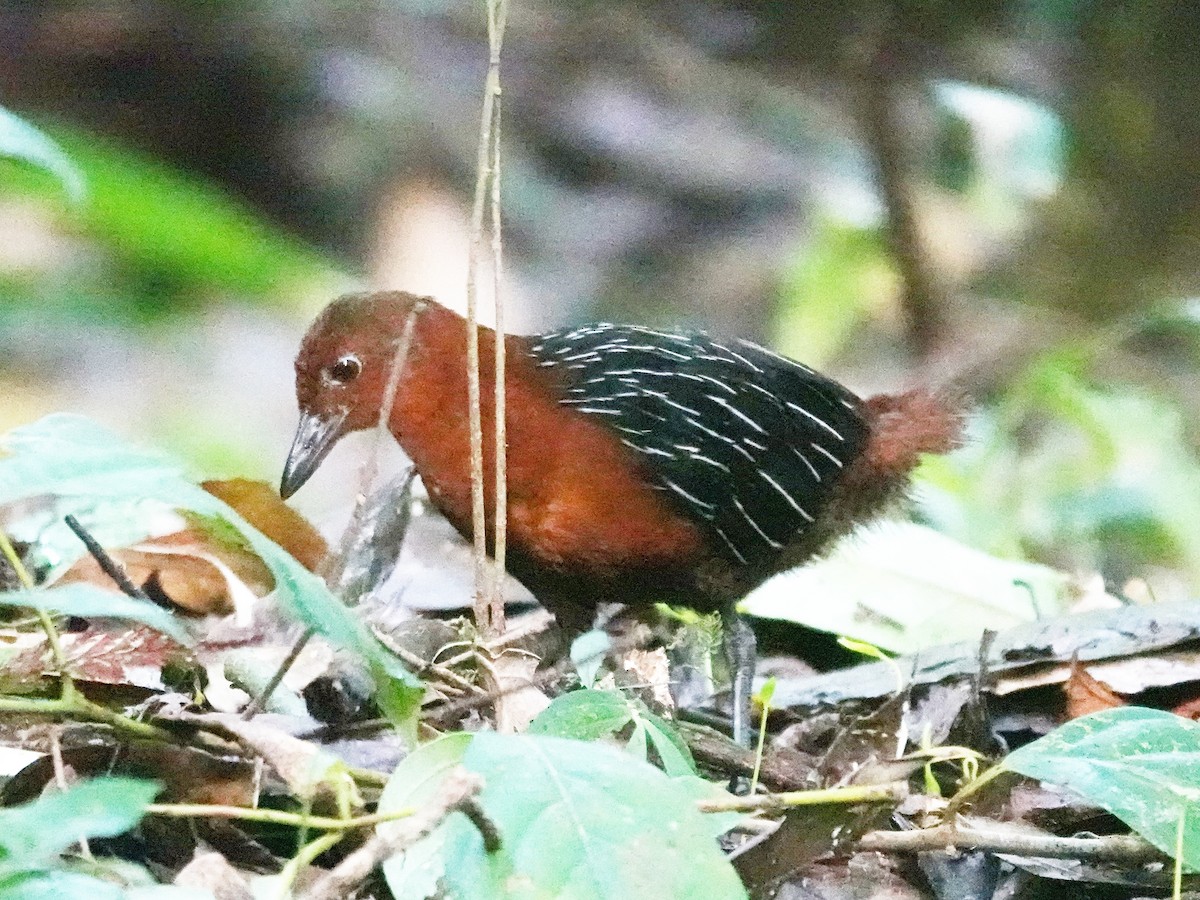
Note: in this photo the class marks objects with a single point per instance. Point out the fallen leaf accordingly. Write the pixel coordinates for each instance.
(130, 657)
(518, 699)
(649, 669)
(260, 505)
(1086, 695)
(203, 570)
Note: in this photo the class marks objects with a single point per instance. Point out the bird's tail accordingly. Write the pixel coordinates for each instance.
(905, 426)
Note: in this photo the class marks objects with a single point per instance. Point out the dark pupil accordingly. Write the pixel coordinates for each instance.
(345, 369)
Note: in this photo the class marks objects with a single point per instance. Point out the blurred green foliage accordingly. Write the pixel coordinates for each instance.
(842, 280)
(1091, 478)
(158, 242)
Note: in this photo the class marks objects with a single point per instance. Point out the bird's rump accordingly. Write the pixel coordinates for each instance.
(744, 442)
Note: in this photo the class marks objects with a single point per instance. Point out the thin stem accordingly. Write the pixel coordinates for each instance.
(867, 793)
(971, 788)
(66, 682)
(273, 816)
(304, 857)
(107, 564)
(60, 781)
(478, 515)
(1119, 848)
(79, 706)
(499, 549)
(333, 567)
(762, 740)
(257, 702)
(489, 615)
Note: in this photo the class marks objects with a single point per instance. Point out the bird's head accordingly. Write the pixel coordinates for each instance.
(342, 373)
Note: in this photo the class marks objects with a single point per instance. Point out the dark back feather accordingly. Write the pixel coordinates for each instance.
(746, 442)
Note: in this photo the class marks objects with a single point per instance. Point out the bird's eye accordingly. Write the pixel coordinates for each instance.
(347, 368)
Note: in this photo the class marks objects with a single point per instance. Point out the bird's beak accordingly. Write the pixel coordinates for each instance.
(315, 437)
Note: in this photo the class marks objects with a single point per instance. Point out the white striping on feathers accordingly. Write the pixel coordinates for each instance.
(833, 459)
(804, 459)
(804, 412)
(775, 545)
(721, 401)
(786, 496)
(695, 501)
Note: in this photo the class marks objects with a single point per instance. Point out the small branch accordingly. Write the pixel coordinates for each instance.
(717, 751)
(422, 667)
(496, 12)
(256, 703)
(470, 808)
(459, 787)
(108, 565)
(274, 816)
(489, 607)
(66, 682)
(878, 72)
(78, 706)
(1127, 849)
(776, 803)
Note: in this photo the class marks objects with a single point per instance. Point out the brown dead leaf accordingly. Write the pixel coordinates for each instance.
(202, 574)
(1086, 695)
(259, 504)
(189, 570)
(188, 774)
(649, 670)
(131, 657)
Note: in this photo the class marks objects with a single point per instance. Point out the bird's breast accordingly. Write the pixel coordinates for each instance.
(578, 500)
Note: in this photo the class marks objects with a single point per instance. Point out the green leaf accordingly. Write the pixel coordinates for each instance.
(101, 807)
(1142, 765)
(585, 715)
(20, 140)
(88, 601)
(416, 873)
(52, 884)
(589, 715)
(59, 884)
(582, 821)
(587, 653)
(181, 232)
(81, 463)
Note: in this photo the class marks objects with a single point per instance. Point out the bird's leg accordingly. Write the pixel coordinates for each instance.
(740, 652)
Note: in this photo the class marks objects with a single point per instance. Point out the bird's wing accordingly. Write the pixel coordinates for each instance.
(746, 441)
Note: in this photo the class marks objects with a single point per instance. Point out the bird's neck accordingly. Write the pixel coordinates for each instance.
(431, 415)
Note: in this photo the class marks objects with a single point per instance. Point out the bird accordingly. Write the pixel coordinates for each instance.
(643, 465)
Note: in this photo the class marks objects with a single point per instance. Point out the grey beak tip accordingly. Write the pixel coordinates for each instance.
(315, 437)
(285, 488)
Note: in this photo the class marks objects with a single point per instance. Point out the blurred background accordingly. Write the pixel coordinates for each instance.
(1002, 195)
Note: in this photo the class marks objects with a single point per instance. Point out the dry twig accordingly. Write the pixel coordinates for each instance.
(489, 605)
(1126, 849)
(456, 793)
